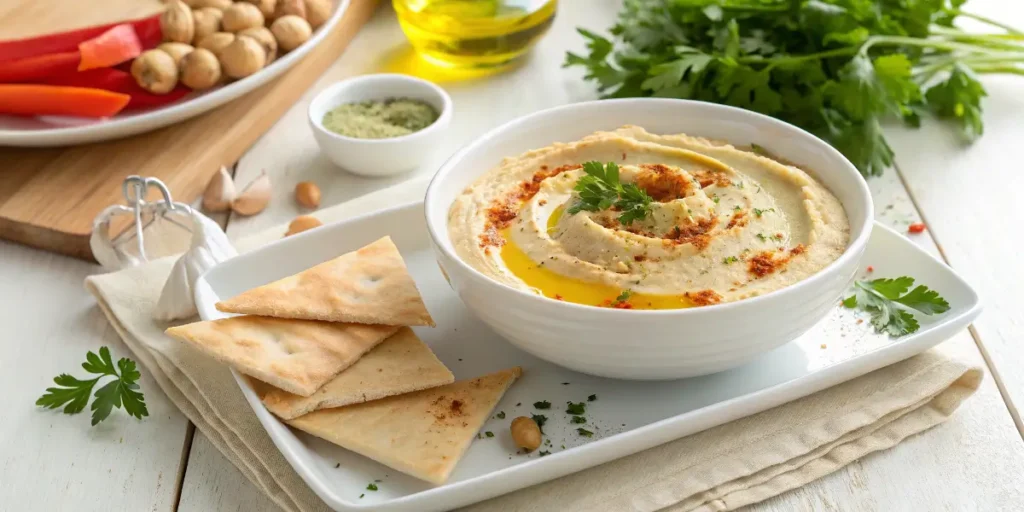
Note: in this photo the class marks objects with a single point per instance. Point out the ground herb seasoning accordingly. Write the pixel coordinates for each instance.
(380, 119)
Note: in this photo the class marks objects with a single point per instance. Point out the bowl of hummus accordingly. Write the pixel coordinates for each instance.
(648, 238)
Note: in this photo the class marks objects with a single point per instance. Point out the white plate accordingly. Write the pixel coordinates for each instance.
(627, 417)
(47, 131)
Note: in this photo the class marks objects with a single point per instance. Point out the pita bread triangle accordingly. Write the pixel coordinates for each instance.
(401, 364)
(423, 434)
(367, 286)
(295, 355)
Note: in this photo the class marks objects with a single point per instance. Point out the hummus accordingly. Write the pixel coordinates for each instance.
(720, 225)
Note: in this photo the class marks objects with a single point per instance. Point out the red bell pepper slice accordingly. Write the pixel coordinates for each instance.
(33, 69)
(147, 30)
(38, 100)
(119, 81)
(117, 45)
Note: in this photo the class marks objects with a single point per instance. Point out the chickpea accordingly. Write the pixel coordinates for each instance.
(526, 433)
(302, 223)
(307, 194)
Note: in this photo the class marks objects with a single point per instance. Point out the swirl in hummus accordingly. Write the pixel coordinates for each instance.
(723, 224)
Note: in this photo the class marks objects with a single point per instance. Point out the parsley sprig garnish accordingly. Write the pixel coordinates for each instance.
(601, 189)
(888, 301)
(122, 391)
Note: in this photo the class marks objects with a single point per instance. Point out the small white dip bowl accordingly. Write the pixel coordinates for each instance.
(650, 344)
(379, 157)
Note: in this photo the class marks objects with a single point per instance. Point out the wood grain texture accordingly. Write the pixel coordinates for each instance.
(972, 462)
(48, 197)
(26, 19)
(52, 461)
(971, 198)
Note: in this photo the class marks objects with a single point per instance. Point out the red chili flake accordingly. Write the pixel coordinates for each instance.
(917, 227)
(870, 268)
(558, 297)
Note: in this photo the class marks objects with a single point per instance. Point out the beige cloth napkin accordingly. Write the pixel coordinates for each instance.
(722, 468)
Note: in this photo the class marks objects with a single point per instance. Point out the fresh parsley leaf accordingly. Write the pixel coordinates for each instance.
(584, 432)
(591, 398)
(489, 433)
(371, 487)
(500, 415)
(576, 408)
(883, 298)
(730, 260)
(543, 453)
(624, 296)
(578, 419)
(600, 189)
(544, 404)
(959, 98)
(122, 391)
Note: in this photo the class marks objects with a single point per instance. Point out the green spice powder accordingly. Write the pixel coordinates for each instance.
(380, 119)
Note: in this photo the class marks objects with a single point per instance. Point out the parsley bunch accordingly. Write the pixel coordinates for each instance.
(836, 68)
(123, 390)
(888, 301)
(601, 189)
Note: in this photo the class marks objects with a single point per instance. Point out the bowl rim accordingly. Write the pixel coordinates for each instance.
(338, 88)
(853, 249)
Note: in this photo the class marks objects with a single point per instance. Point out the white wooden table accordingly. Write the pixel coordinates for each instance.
(966, 195)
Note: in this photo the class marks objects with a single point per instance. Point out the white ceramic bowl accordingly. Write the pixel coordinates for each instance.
(379, 157)
(639, 344)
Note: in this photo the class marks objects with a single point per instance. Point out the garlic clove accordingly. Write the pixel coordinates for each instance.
(220, 192)
(254, 198)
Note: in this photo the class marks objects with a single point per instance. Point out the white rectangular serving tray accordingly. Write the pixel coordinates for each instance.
(627, 416)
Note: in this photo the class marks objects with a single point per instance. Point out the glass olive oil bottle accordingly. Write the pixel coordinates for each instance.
(474, 33)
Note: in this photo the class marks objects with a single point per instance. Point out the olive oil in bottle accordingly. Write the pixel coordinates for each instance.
(474, 33)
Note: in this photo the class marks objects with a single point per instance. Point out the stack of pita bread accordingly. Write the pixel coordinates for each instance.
(335, 356)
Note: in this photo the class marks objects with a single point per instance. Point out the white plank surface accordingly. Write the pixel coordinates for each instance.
(52, 461)
(971, 198)
(973, 462)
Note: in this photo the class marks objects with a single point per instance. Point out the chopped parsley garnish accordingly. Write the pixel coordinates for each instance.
(579, 419)
(888, 300)
(489, 433)
(761, 237)
(759, 212)
(621, 299)
(543, 453)
(738, 184)
(361, 495)
(591, 398)
(584, 432)
(540, 420)
(542, 404)
(730, 259)
(371, 487)
(501, 415)
(601, 189)
(715, 198)
(737, 208)
(577, 408)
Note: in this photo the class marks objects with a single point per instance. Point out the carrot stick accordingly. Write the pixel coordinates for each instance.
(38, 100)
(117, 45)
(147, 30)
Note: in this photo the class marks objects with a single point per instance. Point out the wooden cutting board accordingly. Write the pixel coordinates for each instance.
(49, 196)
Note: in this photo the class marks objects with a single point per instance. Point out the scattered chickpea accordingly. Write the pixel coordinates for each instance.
(526, 433)
(302, 223)
(307, 194)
